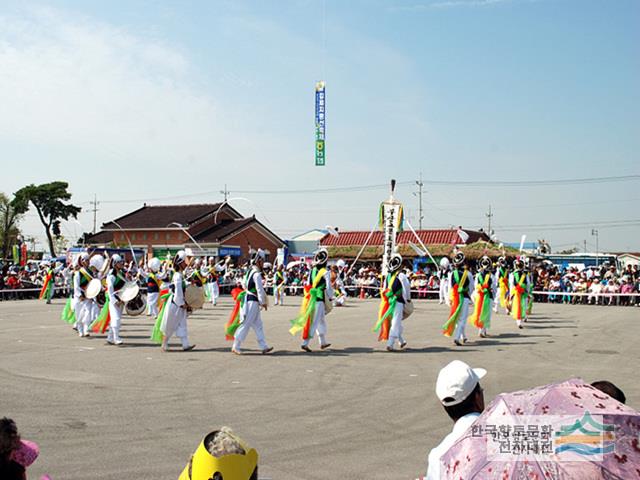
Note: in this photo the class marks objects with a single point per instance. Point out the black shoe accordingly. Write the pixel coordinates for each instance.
(305, 348)
(391, 349)
(267, 350)
(457, 343)
(402, 345)
(325, 346)
(189, 348)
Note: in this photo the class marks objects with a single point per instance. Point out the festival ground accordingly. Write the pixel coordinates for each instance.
(356, 411)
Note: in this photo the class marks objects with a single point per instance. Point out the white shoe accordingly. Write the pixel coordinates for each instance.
(118, 342)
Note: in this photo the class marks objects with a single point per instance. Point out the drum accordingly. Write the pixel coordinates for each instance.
(328, 304)
(101, 298)
(128, 292)
(136, 306)
(94, 287)
(194, 296)
(407, 310)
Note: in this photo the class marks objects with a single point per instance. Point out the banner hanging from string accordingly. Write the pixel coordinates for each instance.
(320, 123)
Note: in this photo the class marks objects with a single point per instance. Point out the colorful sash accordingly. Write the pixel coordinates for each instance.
(503, 287)
(156, 334)
(457, 299)
(240, 296)
(519, 299)
(47, 288)
(481, 316)
(312, 293)
(388, 301)
(68, 315)
(102, 321)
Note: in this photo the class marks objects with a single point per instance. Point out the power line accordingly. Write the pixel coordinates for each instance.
(362, 188)
(95, 204)
(571, 226)
(534, 183)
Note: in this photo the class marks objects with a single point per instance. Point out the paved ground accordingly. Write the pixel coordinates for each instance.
(104, 412)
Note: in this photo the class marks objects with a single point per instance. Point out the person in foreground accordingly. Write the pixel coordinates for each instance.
(458, 389)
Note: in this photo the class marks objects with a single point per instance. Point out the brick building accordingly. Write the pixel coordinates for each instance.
(218, 230)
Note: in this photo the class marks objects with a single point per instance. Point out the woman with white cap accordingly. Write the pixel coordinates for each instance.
(174, 321)
(459, 391)
(115, 281)
(254, 299)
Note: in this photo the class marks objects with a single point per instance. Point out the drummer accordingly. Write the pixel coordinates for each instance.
(115, 281)
(175, 319)
(154, 278)
(96, 264)
(81, 305)
(212, 281)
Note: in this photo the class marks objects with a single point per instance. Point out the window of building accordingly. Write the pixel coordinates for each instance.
(156, 236)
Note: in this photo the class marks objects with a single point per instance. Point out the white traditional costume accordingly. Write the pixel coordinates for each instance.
(255, 299)
(174, 320)
(115, 281)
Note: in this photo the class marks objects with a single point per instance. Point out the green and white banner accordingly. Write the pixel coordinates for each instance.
(320, 124)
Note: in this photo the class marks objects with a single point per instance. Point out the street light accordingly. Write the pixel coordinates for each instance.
(594, 232)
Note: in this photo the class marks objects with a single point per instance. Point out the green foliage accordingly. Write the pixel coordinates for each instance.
(10, 215)
(51, 203)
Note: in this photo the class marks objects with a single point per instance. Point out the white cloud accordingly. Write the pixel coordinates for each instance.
(72, 83)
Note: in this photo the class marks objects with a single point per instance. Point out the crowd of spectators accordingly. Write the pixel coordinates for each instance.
(603, 285)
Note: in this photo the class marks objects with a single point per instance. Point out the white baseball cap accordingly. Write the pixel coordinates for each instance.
(456, 381)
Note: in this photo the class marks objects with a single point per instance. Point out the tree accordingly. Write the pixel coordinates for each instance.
(49, 201)
(10, 215)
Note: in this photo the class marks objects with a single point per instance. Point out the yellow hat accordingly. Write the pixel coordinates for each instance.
(234, 466)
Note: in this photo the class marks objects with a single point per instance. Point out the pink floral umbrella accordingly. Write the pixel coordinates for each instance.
(566, 430)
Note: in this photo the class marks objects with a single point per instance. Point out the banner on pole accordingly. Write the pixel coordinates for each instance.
(320, 124)
(391, 218)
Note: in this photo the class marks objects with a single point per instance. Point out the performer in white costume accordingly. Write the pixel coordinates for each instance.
(256, 298)
(154, 283)
(279, 282)
(174, 322)
(81, 304)
(443, 284)
(319, 281)
(341, 291)
(115, 281)
(212, 281)
(396, 295)
(460, 290)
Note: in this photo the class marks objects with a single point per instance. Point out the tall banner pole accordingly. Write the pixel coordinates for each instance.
(320, 123)
(390, 222)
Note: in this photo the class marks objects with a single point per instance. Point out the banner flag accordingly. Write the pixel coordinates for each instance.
(320, 124)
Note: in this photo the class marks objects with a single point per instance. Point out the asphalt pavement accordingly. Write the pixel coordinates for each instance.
(352, 412)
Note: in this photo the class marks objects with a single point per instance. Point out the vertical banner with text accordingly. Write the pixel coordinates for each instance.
(391, 218)
(320, 123)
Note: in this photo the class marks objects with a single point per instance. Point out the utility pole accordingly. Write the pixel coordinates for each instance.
(594, 232)
(420, 184)
(95, 204)
(489, 215)
(225, 192)
(585, 246)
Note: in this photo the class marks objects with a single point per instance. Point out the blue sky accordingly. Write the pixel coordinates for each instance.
(134, 100)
